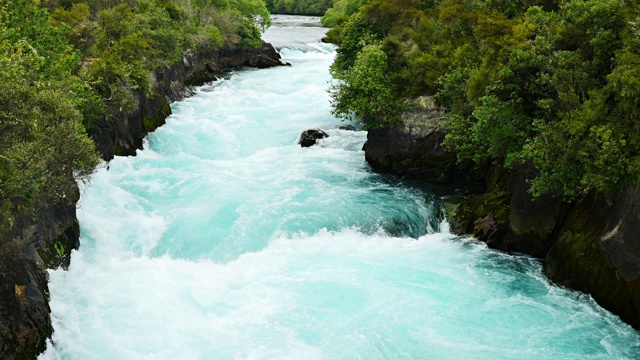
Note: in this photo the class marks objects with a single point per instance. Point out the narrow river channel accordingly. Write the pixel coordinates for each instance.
(224, 239)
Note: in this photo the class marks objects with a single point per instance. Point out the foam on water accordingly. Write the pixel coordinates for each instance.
(225, 239)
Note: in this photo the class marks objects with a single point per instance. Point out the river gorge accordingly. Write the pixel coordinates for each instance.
(224, 239)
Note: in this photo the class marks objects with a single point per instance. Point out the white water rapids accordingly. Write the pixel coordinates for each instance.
(224, 239)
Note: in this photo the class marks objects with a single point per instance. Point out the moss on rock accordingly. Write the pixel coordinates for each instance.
(485, 216)
(152, 123)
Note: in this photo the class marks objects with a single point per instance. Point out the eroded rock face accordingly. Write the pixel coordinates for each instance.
(531, 221)
(595, 250)
(620, 239)
(311, 137)
(25, 255)
(24, 309)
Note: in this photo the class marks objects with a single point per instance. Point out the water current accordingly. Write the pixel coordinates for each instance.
(224, 239)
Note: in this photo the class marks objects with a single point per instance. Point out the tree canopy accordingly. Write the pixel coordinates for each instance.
(554, 83)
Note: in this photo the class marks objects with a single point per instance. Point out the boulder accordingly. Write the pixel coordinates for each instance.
(310, 137)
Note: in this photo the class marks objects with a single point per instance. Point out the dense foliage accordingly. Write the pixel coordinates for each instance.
(299, 7)
(69, 64)
(43, 142)
(121, 42)
(553, 83)
(336, 16)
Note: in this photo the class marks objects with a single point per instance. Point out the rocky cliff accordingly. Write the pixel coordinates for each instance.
(591, 245)
(34, 246)
(45, 241)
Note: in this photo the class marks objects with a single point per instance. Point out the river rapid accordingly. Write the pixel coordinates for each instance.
(224, 239)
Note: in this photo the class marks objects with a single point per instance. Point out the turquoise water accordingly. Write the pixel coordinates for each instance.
(224, 239)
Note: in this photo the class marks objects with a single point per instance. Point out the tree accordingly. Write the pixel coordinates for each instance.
(366, 90)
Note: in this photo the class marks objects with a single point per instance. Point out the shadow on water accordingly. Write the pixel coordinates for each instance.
(419, 215)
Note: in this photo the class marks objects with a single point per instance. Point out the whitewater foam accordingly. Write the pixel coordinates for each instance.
(225, 239)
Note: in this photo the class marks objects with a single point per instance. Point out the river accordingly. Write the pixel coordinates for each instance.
(224, 239)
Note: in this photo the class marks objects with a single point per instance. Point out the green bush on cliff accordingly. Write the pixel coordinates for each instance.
(338, 15)
(341, 11)
(365, 89)
(554, 83)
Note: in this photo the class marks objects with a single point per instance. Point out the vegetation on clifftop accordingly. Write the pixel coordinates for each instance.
(43, 142)
(67, 64)
(555, 83)
(298, 7)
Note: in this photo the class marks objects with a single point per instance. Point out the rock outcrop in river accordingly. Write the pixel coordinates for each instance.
(47, 241)
(591, 245)
(310, 137)
(413, 148)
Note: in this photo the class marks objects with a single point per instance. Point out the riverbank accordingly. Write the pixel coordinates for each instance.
(46, 242)
(590, 245)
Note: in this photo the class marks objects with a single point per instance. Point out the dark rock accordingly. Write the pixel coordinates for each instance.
(26, 252)
(347, 127)
(262, 61)
(595, 251)
(531, 220)
(310, 137)
(267, 51)
(485, 226)
(522, 223)
(486, 215)
(413, 148)
(24, 309)
(620, 239)
(210, 68)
